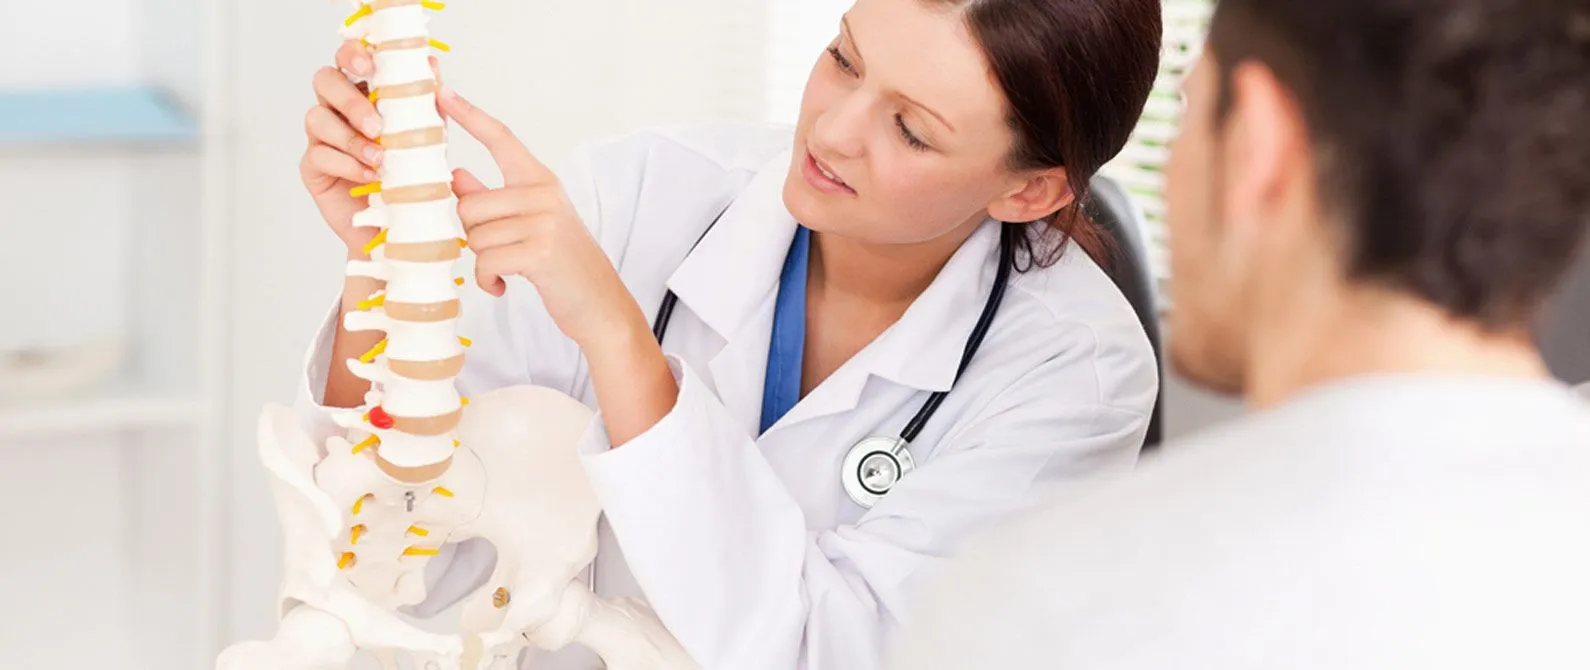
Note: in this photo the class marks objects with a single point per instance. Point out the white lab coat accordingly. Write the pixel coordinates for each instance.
(748, 548)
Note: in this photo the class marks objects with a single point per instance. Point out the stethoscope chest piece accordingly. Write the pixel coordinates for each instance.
(873, 466)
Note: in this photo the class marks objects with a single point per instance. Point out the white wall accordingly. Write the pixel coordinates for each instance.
(558, 72)
(44, 43)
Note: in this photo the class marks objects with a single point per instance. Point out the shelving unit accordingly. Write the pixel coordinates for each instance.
(106, 403)
(110, 115)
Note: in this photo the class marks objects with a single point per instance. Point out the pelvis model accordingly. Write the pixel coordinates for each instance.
(422, 467)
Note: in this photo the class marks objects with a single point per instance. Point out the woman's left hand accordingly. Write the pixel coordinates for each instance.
(529, 228)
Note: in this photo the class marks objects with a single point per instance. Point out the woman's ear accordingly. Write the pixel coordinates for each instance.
(1042, 194)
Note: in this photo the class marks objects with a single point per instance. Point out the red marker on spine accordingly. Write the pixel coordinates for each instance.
(379, 418)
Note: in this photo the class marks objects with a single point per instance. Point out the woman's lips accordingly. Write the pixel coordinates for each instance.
(823, 178)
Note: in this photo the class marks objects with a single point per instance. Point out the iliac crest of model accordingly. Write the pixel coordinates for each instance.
(423, 468)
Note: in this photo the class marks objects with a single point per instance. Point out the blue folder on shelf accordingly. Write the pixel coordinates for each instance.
(119, 114)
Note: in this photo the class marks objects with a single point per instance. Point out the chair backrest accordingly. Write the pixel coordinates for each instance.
(1109, 206)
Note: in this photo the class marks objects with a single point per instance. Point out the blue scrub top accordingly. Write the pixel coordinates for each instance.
(782, 386)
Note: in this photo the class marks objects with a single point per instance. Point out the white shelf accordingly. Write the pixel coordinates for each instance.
(116, 412)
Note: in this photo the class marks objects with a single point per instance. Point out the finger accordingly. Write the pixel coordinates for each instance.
(354, 57)
(465, 183)
(436, 71)
(495, 234)
(326, 128)
(483, 207)
(492, 266)
(325, 160)
(342, 96)
(518, 165)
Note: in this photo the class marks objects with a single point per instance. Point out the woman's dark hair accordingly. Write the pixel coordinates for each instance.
(1076, 75)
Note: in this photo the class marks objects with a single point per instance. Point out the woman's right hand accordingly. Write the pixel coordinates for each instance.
(343, 128)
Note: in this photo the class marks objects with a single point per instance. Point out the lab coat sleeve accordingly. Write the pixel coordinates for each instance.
(724, 554)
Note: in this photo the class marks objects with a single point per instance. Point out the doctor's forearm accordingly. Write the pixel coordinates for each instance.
(343, 389)
(634, 386)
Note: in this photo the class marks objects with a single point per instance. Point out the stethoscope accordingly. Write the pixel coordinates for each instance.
(875, 465)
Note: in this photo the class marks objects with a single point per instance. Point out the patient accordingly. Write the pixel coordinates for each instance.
(1368, 201)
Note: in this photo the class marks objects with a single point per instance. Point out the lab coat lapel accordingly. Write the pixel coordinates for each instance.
(730, 282)
(922, 350)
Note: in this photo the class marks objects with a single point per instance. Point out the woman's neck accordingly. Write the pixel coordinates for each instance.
(883, 276)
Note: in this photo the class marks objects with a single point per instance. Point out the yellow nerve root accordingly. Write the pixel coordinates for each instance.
(375, 96)
(433, 6)
(359, 504)
(465, 341)
(441, 45)
(456, 443)
(463, 402)
(463, 243)
(441, 491)
(373, 302)
(364, 190)
(364, 10)
(419, 531)
(380, 239)
(458, 281)
(377, 350)
(420, 551)
(366, 444)
(357, 531)
(346, 561)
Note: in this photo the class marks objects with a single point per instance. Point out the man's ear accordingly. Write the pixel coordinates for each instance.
(1265, 143)
(1042, 194)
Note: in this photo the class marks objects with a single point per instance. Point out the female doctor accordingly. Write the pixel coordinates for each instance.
(821, 288)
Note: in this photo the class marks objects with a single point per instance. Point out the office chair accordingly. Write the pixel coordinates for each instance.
(1109, 207)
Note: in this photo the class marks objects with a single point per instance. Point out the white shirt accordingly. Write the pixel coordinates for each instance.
(747, 547)
(1382, 522)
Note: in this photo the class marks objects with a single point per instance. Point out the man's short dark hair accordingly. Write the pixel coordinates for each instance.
(1452, 136)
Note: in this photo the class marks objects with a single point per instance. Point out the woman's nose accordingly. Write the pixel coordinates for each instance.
(841, 130)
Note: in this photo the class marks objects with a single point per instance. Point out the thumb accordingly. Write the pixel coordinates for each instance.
(465, 183)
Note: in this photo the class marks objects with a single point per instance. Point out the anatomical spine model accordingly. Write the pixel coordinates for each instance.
(422, 467)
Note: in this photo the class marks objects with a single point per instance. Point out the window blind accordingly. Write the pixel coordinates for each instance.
(1140, 167)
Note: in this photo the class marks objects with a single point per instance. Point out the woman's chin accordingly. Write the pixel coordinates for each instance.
(804, 203)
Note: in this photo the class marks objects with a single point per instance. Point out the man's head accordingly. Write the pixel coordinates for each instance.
(1433, 151)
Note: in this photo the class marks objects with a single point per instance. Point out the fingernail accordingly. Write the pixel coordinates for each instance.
(372, 127)
(361, 65)
(370, 175)
(372, 154)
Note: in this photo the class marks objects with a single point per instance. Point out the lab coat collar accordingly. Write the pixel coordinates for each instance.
(923, 349)
(731, 277)
(735, 268)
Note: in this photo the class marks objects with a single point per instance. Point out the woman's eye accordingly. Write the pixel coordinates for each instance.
(844, 63)
(910, 137)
